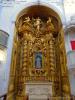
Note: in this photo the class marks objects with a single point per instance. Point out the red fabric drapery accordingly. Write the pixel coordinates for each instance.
(73, 45)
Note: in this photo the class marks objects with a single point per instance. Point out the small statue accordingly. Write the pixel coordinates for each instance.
(50, 26)
(37, 23)
(27, 19)
(49, 20)
(38, 60)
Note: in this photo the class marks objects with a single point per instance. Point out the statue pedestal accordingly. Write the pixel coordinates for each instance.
(38, 97)
(39, 91)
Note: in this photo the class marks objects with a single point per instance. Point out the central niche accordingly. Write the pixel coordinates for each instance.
(38, 60)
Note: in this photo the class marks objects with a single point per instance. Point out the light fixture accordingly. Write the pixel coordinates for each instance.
(2, 55)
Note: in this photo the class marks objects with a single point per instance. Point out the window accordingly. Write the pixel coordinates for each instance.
(3, 47)
(3, 39)
(2, 56)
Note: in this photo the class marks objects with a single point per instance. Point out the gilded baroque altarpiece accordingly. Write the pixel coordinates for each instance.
(38, 56)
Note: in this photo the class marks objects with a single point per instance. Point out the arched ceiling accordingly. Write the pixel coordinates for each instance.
(42, 12)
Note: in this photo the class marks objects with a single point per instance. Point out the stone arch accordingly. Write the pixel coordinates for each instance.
(58, 89)
(27, 5)
(46, 11)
